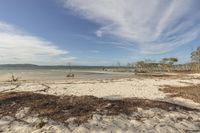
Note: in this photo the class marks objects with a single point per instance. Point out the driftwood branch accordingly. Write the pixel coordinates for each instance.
(45, 89)
(18, 85)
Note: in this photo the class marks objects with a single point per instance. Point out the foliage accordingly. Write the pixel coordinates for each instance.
(195, 55)
(170, 61)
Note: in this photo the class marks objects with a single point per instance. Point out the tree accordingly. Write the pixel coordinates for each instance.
(118, 64)
(139, 64)
(173, 60)
(195, 55)
(169, 61)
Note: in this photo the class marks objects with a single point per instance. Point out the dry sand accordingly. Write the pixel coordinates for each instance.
(151, 120)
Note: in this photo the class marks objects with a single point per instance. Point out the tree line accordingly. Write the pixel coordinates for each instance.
(168, 64)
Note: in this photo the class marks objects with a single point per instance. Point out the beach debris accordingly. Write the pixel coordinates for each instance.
(45, 89)
(12, 88)
(191, 91)
(38, 112)
(41, 124)
(70, 75)
(13, 78)
(81, 108)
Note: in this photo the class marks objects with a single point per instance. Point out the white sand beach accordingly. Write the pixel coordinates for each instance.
(151, 120)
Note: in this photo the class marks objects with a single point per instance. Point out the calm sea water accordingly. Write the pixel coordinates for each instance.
(58, 73)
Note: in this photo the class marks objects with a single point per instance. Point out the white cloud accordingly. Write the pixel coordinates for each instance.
(156, 25)
(19, 47)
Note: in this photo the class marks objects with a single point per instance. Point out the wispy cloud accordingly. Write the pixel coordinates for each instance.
(157, 26)
(17, 46)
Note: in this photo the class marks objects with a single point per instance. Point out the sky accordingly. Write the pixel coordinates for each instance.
(97, 32)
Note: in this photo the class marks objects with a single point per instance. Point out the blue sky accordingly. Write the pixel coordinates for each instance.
(100, 32)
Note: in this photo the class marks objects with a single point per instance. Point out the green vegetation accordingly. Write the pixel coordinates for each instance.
(195, 55)
(170, 61)
(168, 64)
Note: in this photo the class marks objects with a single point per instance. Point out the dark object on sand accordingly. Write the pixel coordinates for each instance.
(14, 79)
(70, 75)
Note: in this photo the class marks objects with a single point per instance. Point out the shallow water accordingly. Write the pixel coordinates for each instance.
(59, 74)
